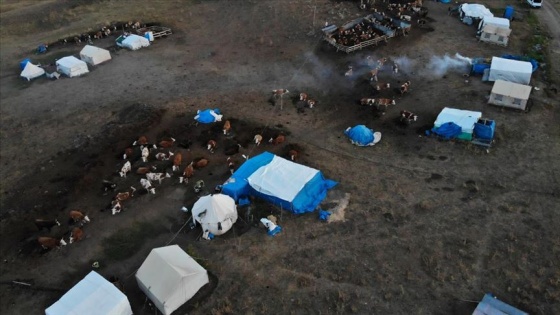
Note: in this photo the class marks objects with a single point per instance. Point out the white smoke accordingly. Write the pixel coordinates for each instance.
(441, 65)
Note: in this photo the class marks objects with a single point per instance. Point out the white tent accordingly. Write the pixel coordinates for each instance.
(216, 213)
(475, 11)
(94, 295)
(510, 70)
(463, 118)
(133, 42)
(94, 55)
(71, 66)
(509, 94)
(31, 71)
(170, 277)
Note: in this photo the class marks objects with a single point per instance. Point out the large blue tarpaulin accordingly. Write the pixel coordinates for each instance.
(208, 116)
(294, 187)
(492, 306)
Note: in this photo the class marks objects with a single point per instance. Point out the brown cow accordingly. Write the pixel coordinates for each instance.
(78, 216)
(200, 163)
(50, 242)
(145, 169)
(128, 153)
(303, 96)
(177, 159)
(258, 139)
(231, 165)
(76, 235)
(311, 103)
(188, 173)
(227, 127)
(211, 145)
(367, 101)
(293, 154)
(125, 195)
(142, 140)
(278, 139)
(167, 142)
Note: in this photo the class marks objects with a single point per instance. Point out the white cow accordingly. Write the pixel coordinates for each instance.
(145, 154)
(157, 176)
(127, 167)
(146, 184)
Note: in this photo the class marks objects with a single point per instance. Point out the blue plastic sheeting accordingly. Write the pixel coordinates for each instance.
(277, 230)
(448, 130)
(206, 116)
(478, 68)
(492, 306)
(41, 49)
(306, 200)
(360, 135)
(484, 129)
(324, 215)
(23, 63)
(445, 1)
(508, 13)
(533, 62)
(244, 201)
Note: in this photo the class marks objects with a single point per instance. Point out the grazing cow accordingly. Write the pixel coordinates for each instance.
(383, 103)
(231, 165)
(157, 176)
(167, 143)
(146, 184)
(381, 62)
(200, 163)
(145, 154)
(177, 159)
(258, 139)
(349, 72)
(232, 149)
(46, 224)
(77, 216)
(107, 185)
(125, 195)
(211, 145)
(161, 156)
(404, 87)
(280, 92)
(116, 207)
(373, 75)
(311, 103)
(142, 140)
(407, 117)
(188, 173)
(76, 235)
(145, 169)
(278, 139)
(128, 152)
(127, 167)
(227, 127)
(382, 86)
(50, 242)
(302, 96)
(293, 154)
(367, 101)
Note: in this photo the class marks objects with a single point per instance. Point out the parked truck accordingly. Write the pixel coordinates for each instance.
(535, 3)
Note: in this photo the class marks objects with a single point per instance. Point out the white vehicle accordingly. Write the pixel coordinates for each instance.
(535, 3)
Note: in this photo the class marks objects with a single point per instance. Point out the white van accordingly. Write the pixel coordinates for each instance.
(535, 3)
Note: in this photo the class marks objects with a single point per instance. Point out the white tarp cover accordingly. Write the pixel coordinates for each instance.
(497, 21)
(31, 71)
(215, 213)
(93, 295)
(511, 89)
(135, 42)
(71, 66)
(170, 277)
(464, 118)
(281, 178)
(94, 55)
(477, 11)
(510, 70)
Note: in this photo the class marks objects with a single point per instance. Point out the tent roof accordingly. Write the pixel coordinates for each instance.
(218, 207)
(494, 29)
(492, 306)
(463, 118)
(70, 62)
(89, 50)
(510, 65)
(511, 89)
(362, 136)
(498, 21)
(134, 38)
(476, 10)
(93, 295)
(32, 71)
(170, 277)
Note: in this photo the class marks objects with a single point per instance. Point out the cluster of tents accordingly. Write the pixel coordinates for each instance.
(89, 55)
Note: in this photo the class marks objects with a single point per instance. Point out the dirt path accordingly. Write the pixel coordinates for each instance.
(550, 16)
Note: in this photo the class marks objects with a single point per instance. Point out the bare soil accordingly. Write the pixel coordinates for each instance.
(429, 225)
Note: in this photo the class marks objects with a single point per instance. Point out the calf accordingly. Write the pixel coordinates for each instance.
(128, 152)
(145, 169)
(77, 216)
(404, 87)
(302, 96)
(161, 156)
(200, 163)
(157, 176)
(367, 101)
(146, 184)
(188, 173)
(277, 140)
(76, 235)
(142, 140)
(293, 154)
(127, 167)
(115, 207)
(408, 117)
(46, 224)
(167, 143)
(177, 159)
(311, 103)
(227, 127)
(258, 139)
(211, 145)
(50, 242)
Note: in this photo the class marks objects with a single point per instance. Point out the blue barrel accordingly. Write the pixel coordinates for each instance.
(23, 63)
(445, 1)
(508, 13)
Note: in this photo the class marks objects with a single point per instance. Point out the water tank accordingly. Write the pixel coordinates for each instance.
(149, 36)
(508, 13)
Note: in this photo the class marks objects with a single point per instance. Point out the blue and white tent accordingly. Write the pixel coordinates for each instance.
(490, 305)
(208, 116)
(361, 135)
(295, 187)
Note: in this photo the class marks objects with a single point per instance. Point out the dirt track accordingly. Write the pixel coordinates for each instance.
(429, 224)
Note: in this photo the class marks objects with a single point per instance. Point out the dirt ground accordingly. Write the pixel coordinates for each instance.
(430, 225)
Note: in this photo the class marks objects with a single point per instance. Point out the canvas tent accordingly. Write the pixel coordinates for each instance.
(170, 277)
(509, 94)
(71, 66)
(494, 30)
(469, 13)
(94, 55)
(492, 306)
(132, 42)
(361, 135)
(215, 213)
(93, 295)
(510, 70)
(465, 119)
(31, 71)
(294, 187)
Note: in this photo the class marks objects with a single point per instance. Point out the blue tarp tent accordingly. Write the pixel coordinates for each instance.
(448, 130)
(534, 63)
(361, 135)
(492, 306)
(295, 187)
(208, 116)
